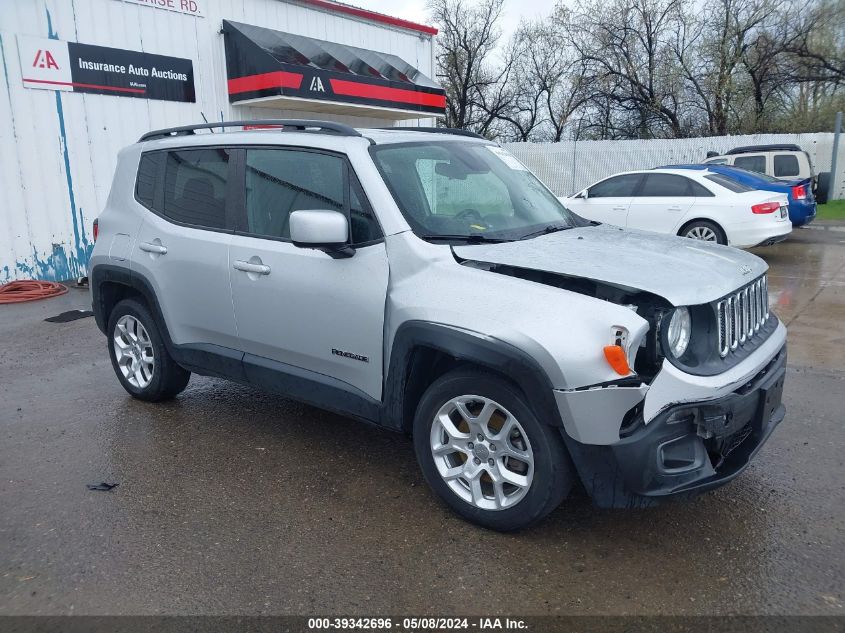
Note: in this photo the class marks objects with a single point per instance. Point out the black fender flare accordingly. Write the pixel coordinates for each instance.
(108, 273)
(463, 346)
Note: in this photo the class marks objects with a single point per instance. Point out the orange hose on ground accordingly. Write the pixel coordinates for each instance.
(20, 291)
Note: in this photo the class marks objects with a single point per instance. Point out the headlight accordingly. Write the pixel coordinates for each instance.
(680, 327)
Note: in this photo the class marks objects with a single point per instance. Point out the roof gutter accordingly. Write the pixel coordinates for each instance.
(370, 16)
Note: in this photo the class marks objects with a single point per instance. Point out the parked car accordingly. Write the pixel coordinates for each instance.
(802, 203)
(427, 282)
(700, 205)
(781, 161)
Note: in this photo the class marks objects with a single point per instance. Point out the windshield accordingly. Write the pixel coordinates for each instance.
(457, 190)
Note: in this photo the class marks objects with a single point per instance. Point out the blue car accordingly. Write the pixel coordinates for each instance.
(802, 203)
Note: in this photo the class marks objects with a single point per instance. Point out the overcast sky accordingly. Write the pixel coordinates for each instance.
(415, 11)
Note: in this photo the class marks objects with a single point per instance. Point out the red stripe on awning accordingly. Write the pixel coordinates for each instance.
(384, 93)
(277, 79)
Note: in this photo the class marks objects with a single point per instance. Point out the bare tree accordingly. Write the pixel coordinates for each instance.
(475, 88)
(519, 120)
(729, 29)
(626, 47)
(643, 68)
(815, 39)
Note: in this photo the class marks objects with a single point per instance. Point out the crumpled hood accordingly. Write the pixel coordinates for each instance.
(681, 270)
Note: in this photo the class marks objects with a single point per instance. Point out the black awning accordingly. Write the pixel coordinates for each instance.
(266, 65)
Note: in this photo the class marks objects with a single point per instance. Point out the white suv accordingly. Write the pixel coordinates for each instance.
(426, 281)
(782, 161)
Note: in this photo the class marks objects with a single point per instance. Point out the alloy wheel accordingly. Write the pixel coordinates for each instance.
(482, 452)
(133, 350)
(702, 233)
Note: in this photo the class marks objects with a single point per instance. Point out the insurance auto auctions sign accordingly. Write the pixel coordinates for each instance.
(58, 65)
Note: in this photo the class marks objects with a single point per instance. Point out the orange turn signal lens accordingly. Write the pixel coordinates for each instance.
(617, 359)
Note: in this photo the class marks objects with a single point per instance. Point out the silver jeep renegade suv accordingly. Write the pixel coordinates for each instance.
(426, 281)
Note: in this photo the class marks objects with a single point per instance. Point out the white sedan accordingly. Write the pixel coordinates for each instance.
(698, 204)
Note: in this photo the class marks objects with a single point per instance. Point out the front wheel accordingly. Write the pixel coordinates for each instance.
(705, 231)
(485, 453)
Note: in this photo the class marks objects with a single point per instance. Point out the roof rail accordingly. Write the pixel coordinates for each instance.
(435, 130)
(772, 147)
(300, 125)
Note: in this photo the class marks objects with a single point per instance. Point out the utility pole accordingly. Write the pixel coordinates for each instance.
(837, 128)
(572, 191)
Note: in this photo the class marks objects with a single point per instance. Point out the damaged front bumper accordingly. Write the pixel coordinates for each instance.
(686, 448)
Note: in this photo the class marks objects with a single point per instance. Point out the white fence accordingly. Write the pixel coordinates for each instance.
(567, 167)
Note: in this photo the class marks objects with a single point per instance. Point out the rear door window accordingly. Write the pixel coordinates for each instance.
(755, 162)
(195, 187)
(786, 165)
(665, 186)
(622, 186)
(699, 190)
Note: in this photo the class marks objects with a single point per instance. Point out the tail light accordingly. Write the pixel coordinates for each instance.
(765, 207)
(96, 228)
(799, 192)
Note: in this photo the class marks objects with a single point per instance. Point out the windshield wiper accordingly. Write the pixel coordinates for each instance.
(472, 238)
(552, 228)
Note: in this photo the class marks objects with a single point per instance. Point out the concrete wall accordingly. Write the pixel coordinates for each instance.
(58, 149)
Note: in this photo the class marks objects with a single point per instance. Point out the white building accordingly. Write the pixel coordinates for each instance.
(82, 79)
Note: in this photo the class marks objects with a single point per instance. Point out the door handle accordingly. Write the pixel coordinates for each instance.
(620, 208)
(249, 267)
(674, 208)
(158, 249)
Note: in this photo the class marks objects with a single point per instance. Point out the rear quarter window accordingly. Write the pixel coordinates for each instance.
(145, 183)
(786, 165)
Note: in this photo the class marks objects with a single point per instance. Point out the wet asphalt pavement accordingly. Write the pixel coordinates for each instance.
(236, 502)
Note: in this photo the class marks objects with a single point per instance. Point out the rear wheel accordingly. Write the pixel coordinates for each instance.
(705, 231)
(485, 453)
(139, 357)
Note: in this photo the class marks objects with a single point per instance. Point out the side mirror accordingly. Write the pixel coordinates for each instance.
(321, 229)
(584, 194)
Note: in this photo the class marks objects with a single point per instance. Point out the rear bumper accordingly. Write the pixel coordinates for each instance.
(773, 240)
(753, 234)
(802, 213)
(687, 448)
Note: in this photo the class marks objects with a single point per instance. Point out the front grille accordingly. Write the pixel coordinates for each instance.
(742, 314)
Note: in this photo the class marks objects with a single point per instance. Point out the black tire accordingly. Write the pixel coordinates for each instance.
(168, 379)
(553, 474)
(704, 224)
(822, 187)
